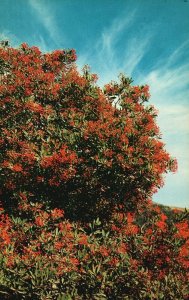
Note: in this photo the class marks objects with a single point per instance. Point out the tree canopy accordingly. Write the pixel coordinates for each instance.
(65, 141)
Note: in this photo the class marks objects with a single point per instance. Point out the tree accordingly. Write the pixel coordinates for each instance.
(63, 140)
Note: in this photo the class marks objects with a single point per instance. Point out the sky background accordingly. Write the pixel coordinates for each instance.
(147, 40)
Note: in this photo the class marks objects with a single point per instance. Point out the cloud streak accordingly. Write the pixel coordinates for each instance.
(169, 86)
(111, 36)
(135, 52)
(106, 57)
(46, 18)
(110, 53)
(116, 50)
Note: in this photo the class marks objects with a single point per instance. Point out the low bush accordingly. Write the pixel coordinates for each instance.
(134, 256)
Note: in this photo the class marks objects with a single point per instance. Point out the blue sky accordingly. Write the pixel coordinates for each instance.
(147, 40)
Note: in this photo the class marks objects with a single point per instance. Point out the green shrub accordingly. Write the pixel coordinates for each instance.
(63, 141)
(48, 257)
(76, 176)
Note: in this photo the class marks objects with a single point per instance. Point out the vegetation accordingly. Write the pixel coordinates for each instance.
(78, 167)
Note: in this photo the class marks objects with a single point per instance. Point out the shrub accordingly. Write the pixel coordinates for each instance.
(76, 175)
(63, 141)
(49, 257)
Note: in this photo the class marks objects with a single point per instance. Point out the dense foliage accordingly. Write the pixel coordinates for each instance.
(135, 256)
(78, 165)
(63, 141)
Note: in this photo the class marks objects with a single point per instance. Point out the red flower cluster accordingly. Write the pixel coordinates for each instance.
(46, 244)
(69, 149)
(63, 137)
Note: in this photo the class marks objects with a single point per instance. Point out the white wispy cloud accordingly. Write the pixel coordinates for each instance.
(47, 18)
(42, 43)
(105, 55)
(115, 60)
(136, 50)
(174, 118)
(116, 51)
(169, 81)
(169, 88)
(111, 36)
(177, 53)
